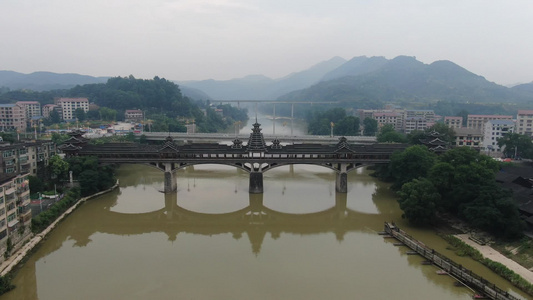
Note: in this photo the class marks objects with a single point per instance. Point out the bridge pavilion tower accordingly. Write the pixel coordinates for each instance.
(256, 148)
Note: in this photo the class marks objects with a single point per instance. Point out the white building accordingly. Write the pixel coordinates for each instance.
(69, 106)
(493, 130)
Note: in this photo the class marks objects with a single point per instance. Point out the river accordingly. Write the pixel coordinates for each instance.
(213, 240)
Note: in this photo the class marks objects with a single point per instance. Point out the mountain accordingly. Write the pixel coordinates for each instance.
(526, 87)
(405, 79)
(43, 81)
(259, 87)
(193, 93)
(356, 66)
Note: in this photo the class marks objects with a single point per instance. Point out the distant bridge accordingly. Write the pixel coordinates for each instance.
(221, 137)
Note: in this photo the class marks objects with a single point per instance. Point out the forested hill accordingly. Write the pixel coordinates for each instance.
(407, 79)
(120, 93)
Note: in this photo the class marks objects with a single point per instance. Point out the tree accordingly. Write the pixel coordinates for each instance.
(93, 115)
(464, 114)
(347, 126)
(387, 134)
(54, 117)
(418, 200)
(80, 114)
(58, 139)
(58, 167)
(412, 163)
(370, 127)
(107, 114)
(516, 145)
(36, 184)
(415, 136)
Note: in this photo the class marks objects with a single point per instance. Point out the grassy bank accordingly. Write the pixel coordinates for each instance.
(462, 249)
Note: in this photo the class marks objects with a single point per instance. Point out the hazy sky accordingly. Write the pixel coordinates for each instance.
(224, 39)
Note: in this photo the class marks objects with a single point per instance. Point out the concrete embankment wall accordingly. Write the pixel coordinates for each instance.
(17, 257)
(464, 275)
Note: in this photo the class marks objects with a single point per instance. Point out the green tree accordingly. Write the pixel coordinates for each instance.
(464, 114)
(7, 137)
(58, 167)
(516, 145)
(54, 117)
(36, 184)
(107, 114)
(418, 200)
(412, 163)
(347, 126)
(58, 139)
(370, 127)
(387, 134)
(93, 115)
(80, 114)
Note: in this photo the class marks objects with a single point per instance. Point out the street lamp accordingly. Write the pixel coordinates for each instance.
(40, 201)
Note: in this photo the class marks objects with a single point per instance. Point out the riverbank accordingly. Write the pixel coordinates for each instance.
(492, 254)
(9, 264)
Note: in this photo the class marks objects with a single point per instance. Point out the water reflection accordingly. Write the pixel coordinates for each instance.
(171, 245)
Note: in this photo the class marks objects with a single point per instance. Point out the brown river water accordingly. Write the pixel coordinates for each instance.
(213, 240)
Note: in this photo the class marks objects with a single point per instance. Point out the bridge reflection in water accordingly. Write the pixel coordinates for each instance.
(253, 221)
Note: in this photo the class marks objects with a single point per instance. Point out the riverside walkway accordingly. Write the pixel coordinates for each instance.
(486, 288)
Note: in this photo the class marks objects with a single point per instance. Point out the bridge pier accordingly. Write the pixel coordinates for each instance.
(341, 180)
(170, 181)
(256, 183)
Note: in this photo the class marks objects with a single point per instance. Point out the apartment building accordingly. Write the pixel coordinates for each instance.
(479, 121)
(47, 109)
(468, 137)
(12, 117)
(133, 115)
(493, 130)
(69, 105)
(393, 118)
(31, 108)
(453, 122)
(416, 123)
(30, 157)
(14, 206)
(427, 114)
(524, 122)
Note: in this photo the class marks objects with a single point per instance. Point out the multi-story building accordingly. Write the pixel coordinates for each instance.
(454, 122)
(15, 209)
(524, 122)
(48, 108)
(28, 157)
(468, 137)
(70, 105)
(478, 121)
(12, 117)
(412, 124)
(31, 108)
(493, 130)
(133, 115)
(393, 118)
(427, 114)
